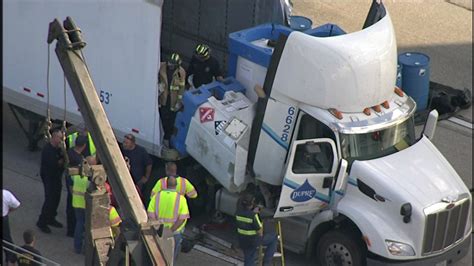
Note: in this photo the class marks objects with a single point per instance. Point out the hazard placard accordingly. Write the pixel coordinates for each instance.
(206, 114)
(219, 126)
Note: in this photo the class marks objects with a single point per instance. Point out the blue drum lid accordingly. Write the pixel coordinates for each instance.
(300, 23)
(413, 59)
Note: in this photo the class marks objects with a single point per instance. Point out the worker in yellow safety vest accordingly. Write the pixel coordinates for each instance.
(78, 188)
(183, 187)
(170, 208)
(115, 221)
(90, 149)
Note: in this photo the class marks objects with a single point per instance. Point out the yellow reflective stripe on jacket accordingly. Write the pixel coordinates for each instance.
(174, 88)
(248, 225)
(79, 188)
(244, 219)
(246, 232)
(258, 221)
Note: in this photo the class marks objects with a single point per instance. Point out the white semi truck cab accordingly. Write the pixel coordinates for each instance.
(315, 121)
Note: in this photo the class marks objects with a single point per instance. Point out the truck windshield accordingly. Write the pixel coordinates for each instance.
(377, 144)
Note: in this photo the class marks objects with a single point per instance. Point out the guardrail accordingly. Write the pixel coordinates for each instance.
(17, 249)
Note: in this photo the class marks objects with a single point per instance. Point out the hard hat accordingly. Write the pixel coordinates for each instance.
(175, 59)
(203, 51)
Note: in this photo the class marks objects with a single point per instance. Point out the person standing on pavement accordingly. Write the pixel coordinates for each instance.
(76, 158)
(9, 203)
(203, 68)
(51, 171)
(140, 161)
(171, 208)
(250, 232)
(183, 187)
(78, 185)
(171, 84)
(26, 258)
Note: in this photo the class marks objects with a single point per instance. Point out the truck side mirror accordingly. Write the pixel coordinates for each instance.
(340, 186)
(342, 178)
(430, 124)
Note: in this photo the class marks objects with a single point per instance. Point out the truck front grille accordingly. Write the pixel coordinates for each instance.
(445, 224)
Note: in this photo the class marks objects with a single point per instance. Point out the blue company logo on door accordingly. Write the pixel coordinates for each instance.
(303, 193)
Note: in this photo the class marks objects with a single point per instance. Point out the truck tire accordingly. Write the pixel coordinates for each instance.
(340, 248)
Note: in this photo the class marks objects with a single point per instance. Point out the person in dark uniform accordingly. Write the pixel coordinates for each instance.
(76, 157)
(26, 258)
(51, 171)
(250, 232)
(140, 162)
(203, 67)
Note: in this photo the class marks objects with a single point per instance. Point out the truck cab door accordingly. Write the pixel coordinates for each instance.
(309, 177)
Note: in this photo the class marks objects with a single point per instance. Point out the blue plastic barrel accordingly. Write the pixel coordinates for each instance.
(300, 23)
(399, 76)
(326, 30)
(416, 77)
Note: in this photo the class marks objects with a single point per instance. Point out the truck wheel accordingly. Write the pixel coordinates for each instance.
(339, 248)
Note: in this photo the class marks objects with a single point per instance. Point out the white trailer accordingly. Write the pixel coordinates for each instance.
(123, 56)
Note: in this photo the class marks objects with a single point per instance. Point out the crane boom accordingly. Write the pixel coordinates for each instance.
(157, 249)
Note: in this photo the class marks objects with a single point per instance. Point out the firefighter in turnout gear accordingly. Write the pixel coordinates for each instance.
(203, 68)
(171, 87)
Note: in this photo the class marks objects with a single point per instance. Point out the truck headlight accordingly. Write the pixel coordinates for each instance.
(399, 249)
